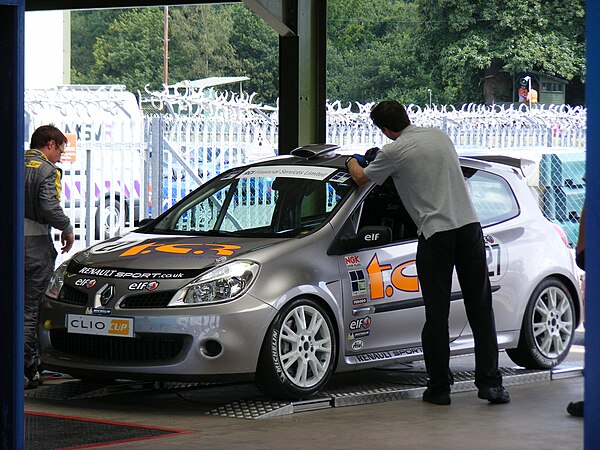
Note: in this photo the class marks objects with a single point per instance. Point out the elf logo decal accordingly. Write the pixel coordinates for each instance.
(403, 277)
(363, 322)
(86, 282)
(181, 249)
(143, 285)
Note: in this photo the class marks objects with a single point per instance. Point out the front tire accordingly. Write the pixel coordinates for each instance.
(548, 327)
(299, 352)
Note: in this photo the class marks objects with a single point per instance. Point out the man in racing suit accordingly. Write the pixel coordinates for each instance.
(42, 211)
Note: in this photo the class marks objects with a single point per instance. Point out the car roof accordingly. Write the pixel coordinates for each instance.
(332, 155)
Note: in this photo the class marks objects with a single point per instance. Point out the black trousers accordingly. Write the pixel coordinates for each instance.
(40, 257)
(463, 249)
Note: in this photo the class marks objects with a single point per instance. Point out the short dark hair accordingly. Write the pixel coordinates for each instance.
(46, 133)
(390, 114)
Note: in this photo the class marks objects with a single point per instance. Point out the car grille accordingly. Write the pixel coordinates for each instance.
(146, 348)
(72, 296)
(148, 300)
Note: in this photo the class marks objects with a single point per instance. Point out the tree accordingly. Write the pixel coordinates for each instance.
(204, 41)
(471, 47)
(257, 52)
(131, 53)
(199, 42)
(86, 26)
(371, 52)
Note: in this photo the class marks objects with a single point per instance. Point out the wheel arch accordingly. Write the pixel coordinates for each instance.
(569, 283)
(328, 309)
(575, 294)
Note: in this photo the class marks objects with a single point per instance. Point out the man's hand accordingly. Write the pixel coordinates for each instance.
(363, 161)
(356, 171)
(66, 240)
(371, 153)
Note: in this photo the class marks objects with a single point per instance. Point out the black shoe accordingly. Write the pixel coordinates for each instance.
(575, 409)
(494, 394)
(30, 384)
(437, 398)
(32, 377)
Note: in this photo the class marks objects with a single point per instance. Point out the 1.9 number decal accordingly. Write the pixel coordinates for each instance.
(400, 278)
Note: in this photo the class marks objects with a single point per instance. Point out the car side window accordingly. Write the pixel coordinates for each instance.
(492, 197)
(383, 207)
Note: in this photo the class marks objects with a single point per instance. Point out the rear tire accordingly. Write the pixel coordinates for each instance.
(299, 352)
(548, 327)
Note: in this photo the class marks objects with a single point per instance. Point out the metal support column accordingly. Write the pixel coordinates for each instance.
(12, 17)
(592, 238)
(302, 28)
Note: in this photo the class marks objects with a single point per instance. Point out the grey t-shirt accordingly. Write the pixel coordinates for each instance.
(426, 172)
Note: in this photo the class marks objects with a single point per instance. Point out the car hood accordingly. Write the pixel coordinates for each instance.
(160, 253)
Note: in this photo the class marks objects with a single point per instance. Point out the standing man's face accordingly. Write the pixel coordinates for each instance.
(56, 151)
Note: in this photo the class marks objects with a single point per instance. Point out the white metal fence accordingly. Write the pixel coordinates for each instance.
(134, 164)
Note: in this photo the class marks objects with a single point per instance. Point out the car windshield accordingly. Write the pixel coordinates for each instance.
(265, 201)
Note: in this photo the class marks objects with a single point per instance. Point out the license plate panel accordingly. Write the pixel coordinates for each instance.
(100, 325)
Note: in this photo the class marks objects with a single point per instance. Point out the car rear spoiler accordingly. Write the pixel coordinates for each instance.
(526, 166)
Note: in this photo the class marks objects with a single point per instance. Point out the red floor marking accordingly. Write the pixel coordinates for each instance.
(169, 431)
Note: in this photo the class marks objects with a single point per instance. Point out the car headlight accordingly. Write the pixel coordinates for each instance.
(56, 281)
(221, 284)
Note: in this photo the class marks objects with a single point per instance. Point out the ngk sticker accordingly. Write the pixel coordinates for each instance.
(352, 261)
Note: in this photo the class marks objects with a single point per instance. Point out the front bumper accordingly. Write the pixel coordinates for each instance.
(178, 344)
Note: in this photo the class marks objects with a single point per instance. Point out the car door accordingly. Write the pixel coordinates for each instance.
(383, 305)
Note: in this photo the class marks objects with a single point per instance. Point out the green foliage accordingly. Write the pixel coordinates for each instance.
(126, 47)
(257, 52)
(130, 53)
(371, 52)
(86, 26)
(197, 48)
(470, 44)
(461, 50)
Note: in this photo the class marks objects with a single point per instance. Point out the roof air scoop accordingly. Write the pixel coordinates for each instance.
(314, 150)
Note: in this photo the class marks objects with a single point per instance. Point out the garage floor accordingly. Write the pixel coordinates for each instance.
(378, 409)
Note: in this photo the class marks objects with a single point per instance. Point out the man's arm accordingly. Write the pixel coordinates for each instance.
(356, 171)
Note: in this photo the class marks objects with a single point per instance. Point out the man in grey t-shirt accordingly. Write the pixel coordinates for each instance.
(426, 172)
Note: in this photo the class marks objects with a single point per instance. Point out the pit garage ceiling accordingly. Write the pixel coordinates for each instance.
(301, 25)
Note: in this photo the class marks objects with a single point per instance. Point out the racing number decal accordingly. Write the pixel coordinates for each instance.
(404, 278)
(399, 279)
(496, 255)
(493, 257)
(219, 249)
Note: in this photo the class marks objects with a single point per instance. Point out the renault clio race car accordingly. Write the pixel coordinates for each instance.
(319, 278)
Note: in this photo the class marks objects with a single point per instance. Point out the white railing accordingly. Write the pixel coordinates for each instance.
(129, 162)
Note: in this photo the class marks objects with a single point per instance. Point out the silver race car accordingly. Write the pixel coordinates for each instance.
(284, 271)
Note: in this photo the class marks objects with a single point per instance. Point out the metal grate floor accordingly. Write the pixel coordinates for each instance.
(243, 401)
